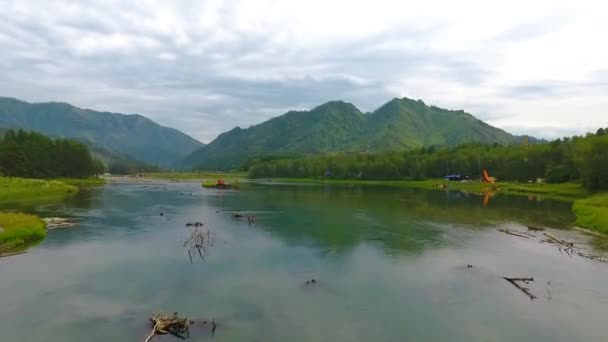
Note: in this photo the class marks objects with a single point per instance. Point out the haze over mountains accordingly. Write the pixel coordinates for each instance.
(109, 133)
(338, 126)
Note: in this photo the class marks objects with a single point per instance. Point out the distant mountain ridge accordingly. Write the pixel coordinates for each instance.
(338, 126)
(132, 135)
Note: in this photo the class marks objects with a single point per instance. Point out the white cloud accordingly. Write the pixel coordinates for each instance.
(536, 67)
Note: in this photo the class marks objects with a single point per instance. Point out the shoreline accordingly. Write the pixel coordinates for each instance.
(19, 232)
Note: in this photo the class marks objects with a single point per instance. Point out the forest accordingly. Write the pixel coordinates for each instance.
(577, 158)
(33, 155)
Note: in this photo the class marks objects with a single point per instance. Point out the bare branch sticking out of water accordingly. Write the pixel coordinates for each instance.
(199, 241)
(526, 280)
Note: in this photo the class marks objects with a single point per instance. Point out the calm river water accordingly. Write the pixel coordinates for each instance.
(390, 264)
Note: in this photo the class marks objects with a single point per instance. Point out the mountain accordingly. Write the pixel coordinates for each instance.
(132, 135)
(338, 126)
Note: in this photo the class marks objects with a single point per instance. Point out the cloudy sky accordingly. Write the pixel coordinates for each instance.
(530, 67)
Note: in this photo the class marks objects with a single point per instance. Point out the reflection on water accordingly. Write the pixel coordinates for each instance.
(390, 265)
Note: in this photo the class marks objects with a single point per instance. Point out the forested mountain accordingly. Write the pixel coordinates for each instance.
(132, 135)
(340, 127)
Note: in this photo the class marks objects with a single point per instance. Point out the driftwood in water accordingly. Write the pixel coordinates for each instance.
(592, 257)
(570, 249)
(199, 241)
(561, 242)
(507, 231)
(535, 228)
(169, 324)
(237, 216)
(525, 280)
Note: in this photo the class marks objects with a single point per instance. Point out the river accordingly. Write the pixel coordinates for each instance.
(389, 265)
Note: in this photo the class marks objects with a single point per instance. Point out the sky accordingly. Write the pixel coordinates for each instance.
(530, 67)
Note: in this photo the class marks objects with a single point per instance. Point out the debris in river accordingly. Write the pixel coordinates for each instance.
(311, 282)
(535, 229)
(525, 280)
(169, 324)
(57, 222)
(199, 241)
(469, 266)
(570, 249)
(563, 246)
(516, 233)
(237, 216)
(194, 224)
(549, 288)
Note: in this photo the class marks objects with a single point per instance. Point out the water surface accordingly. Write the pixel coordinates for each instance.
(391, 265)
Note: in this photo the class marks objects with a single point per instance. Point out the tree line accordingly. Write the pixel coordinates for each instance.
(577, 158)
(33, 155)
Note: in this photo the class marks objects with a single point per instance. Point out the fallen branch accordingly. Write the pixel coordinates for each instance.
(152, 333)
(506, 231)
(561, 242)
(535, 229)
(525, 280)
(592, 257)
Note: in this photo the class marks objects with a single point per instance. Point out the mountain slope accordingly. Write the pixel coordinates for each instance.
(408, 123)
(340, 126)
(133, 135)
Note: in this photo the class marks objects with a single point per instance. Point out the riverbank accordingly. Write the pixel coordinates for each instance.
(564, 191)
(83, 182)
(17, 190)
(19, 231)
(592, 212)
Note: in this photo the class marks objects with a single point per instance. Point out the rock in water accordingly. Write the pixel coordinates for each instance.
(57, 222)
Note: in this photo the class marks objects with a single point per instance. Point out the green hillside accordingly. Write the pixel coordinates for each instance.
(338, 126)
(132, 135)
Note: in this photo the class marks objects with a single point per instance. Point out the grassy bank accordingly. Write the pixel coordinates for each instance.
(19, 231)
(592, 212)
(563, 191)
(18, 190)
(83, 182)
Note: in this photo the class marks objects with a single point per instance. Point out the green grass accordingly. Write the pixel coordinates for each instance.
(83, 182)
(20, 231)
(592, 212)
(567, 190)
(17, 190)
(561, 191)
